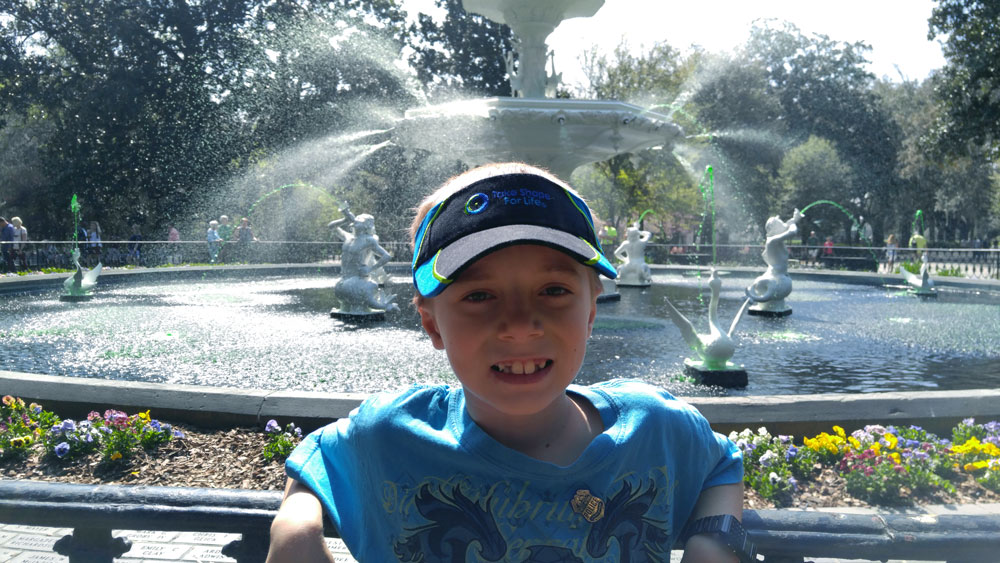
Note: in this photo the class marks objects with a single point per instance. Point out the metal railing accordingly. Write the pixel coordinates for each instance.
(35, 255)
(782, 536)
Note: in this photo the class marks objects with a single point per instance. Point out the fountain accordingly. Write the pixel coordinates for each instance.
(80, 285)
(843, 338)
(360, 298)
(768, 292)
(557, 134)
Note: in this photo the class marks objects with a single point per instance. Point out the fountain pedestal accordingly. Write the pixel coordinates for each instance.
(731, 376)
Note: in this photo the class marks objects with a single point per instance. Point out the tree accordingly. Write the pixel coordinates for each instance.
(463, 54)
(154, 104)
(626, 185)
(970, 78)
(953, 190)
(811, 172)
(654, 77)
(820, 88)
(743, 122)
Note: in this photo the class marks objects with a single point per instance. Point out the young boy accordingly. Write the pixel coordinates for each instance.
(517, 464)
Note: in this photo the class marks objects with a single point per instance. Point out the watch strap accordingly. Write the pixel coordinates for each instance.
(726, 529)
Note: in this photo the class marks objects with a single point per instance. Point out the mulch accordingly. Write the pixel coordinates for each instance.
(233, 459)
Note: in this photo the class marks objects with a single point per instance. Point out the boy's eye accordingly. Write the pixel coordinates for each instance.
(555, 290)
(476, 297)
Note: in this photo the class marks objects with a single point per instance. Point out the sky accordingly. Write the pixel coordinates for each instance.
(895, 29)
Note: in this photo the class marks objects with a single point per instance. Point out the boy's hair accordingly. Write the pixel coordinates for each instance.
(562, 221)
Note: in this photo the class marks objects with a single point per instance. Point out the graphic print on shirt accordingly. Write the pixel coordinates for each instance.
(456, 524)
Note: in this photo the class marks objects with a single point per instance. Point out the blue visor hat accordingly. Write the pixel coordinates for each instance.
(502, 211)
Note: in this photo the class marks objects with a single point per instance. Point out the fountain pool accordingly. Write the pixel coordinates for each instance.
(273, 332)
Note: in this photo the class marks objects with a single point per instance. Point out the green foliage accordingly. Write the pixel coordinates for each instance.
(810, 172)
(950, 272)
(463, 53)
(622, 187)
(280, 443)
(798, 86)
(968, 83)
(142, 108)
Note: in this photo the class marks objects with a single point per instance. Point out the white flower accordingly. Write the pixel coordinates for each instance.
(768, 458)
(773, 478)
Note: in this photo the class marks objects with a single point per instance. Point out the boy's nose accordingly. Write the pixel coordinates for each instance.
(519, 322)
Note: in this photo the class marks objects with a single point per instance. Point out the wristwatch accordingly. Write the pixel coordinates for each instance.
(725, 529)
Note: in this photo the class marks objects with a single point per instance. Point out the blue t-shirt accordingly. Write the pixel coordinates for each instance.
(410, 477)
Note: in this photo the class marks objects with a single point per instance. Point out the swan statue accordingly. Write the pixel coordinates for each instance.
(81, 283)
(922, 284)
(717, 346)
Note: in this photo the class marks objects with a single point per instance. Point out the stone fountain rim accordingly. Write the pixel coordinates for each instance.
(32, 282)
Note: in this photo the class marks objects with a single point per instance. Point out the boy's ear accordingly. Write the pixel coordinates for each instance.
(430, 325)
(593, 315)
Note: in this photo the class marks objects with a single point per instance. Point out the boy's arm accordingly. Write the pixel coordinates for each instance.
(297, 530)
(722, 499)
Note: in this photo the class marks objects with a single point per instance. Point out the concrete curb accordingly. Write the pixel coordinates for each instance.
(219, 407)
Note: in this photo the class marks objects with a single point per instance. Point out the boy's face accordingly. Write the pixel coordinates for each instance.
(515, 326)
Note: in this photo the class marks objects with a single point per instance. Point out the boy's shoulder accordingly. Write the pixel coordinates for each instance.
(427, 404)
(638, 399)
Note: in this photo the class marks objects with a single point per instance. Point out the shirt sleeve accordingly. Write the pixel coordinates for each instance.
(325, 462)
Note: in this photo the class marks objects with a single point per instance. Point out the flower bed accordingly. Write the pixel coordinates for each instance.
(873, 466)
(881, 465)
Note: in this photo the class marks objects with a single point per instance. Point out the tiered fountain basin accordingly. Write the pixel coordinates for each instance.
(559, 134)
(265, 333)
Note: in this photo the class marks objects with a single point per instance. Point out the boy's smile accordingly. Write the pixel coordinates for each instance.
(515, 325)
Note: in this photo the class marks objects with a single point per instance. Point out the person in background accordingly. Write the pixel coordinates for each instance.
(891, 245)
(813, 243)
(244, 236)
(174, 255)
(828, 246)
(226, 234)
(214, 240)
(918, 241)
(20, 240)
(134, 248)
(94, 245)
(7, 244)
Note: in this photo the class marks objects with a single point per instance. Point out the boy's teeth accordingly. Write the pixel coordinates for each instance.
(520, 368)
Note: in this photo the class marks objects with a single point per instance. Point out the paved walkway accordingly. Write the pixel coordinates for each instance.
(33, 544)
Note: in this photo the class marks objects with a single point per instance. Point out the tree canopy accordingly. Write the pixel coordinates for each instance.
(463, 54)
(970, 80)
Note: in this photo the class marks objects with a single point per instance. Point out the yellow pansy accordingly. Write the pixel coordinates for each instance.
(975, 466)
(896, 458)
(144, 416)
(877, 448)
(116, 456)
(840, 432)
(854, 443)
(890, 441)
